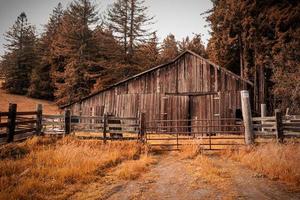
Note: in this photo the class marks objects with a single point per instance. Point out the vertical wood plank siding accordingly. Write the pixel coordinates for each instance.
(187, 74)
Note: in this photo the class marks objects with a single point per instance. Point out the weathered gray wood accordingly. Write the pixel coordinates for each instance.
(279, 127)
(11, 122)
(247, 117)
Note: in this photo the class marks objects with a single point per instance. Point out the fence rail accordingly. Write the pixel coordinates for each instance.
(277, 126)
(209, 134)
(16, 126)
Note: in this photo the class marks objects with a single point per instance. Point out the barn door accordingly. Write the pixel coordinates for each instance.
(174, 108)
(205, 112)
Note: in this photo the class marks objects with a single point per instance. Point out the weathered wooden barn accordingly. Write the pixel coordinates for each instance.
(189, 87)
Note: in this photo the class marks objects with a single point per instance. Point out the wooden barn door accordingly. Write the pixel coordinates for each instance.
(205, 112)
(173, 109)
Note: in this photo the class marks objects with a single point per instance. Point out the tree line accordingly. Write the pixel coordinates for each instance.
(80, 52)
(260, 40)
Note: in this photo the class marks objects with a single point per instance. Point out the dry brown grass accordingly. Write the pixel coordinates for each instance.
(209, 172)
(190, 151)
(26, 103)
(39, 167)
(132, 169)
(277, 161)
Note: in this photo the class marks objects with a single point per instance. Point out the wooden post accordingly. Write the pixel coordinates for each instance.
(247, 117)
(263, 113)
(279, 129)
(11, 122)
(39, 115)
(104, 127)
(142, 126)
(67, 121)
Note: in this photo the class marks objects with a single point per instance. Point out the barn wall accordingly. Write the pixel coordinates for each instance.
(145, 93)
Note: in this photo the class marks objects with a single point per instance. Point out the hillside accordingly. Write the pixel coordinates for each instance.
(25, 103)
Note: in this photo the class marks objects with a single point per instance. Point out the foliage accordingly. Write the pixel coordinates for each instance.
(169, 49)
(258, 39)
(20, 57)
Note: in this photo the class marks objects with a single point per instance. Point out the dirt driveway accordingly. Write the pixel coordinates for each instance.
(176, 178)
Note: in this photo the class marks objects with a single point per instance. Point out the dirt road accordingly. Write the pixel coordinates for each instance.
(176, 178)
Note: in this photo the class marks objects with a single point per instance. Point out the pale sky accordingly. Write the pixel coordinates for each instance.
(180, 17)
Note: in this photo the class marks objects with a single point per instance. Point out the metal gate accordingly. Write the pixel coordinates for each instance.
(208, 134)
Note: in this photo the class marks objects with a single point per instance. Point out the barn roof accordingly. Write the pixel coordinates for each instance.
(158, 67)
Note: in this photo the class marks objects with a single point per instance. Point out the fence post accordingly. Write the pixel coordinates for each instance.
(279, 129)
(247, 117)
(11, 122)
(67, 121)
(142, 125)
(39, 115)
(263, 113)
(104, 127)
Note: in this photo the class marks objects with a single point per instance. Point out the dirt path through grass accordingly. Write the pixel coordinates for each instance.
(176, 178)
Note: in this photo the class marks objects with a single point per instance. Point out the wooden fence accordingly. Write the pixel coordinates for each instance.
(16, 126)
(277, 126)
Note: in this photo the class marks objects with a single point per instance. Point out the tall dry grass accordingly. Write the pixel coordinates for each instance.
(39, 168)
(190, 151)
(277, 161)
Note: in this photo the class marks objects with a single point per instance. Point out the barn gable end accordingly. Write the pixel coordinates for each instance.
(188, 87)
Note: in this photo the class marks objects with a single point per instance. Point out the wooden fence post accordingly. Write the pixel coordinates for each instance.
(263, 113)
(11, 122)
(142, 126)
(247, 117)
(279, 129)
(67, 121)
(39, 115)
(104, 127)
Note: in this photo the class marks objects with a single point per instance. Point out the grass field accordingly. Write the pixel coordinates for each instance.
(40, 167)
(25, 103)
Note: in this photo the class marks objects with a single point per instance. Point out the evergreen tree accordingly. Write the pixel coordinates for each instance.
(21, 52)
(195, 45)
(77, 44)
(259, 39)
(109, 53)
(148, 53)
(46, 72)
(128, 20)
(169, 49)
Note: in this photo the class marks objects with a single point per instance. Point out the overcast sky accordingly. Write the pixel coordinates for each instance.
(180, 17)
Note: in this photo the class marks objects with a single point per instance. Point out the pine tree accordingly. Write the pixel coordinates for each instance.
(76, 43)
(21, 52)
(260, 39)
(128, 20)
(46, 72)
(195, 45)
(147, 54)
(169, 49)
(109, 56)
